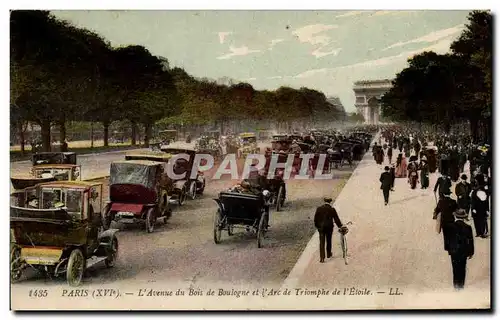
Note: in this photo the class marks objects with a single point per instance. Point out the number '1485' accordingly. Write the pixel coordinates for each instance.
(38, 293)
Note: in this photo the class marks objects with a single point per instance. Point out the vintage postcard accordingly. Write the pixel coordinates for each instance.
(250, 160)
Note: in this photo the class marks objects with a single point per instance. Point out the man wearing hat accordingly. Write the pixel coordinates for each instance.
(324, 218)
(445, 207)
(424, 172)
(480, 207)
(386, 184)
(461, 247)
(462, 191)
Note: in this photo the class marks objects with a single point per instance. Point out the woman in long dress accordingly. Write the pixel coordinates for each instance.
(402, 166)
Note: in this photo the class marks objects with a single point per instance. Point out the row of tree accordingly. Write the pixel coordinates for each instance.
(444, 89)
(62, 73)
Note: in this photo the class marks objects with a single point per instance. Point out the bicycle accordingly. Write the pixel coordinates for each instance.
(343, 242)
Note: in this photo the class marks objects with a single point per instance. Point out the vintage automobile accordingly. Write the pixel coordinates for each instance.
(264, 135)
(280, 145)
(61, 165)
(138, 192)
(241, 210)
(59, 230)
(248, 144)
(213, 134)
(61, 172)
(191, 186)
(164, 138)
(53, 158)
(19, 183)
(208, 145)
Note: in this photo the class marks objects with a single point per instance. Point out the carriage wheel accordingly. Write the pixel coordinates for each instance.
(192, 190)
(217, 227)
(262, 229)
(150, 220)
(76, 267)
(112, 254)
(279, 201)
(202, 189)
(230, 230)
(15, 264)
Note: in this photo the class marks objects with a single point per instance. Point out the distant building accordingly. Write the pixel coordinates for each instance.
(368, 94)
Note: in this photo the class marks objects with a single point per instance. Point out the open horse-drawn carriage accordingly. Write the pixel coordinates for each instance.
(247, 211)
(59, 230)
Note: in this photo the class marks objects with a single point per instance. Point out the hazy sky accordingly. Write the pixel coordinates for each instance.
(323, 50)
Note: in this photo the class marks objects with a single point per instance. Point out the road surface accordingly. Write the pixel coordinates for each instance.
(183, 250)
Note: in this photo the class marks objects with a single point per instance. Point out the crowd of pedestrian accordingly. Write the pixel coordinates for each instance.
(446, 154)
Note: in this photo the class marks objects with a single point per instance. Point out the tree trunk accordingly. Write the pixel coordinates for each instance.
(62, 135)
(45, 132)
(134, 133)
(474, 129)
(147, 134)
(21, 136)
(105, 125)
(222, 127)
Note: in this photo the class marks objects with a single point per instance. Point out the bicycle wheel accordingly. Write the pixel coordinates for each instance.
(343, 243)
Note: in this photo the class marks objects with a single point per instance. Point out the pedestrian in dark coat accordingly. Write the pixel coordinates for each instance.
(424, 173)
(462, 191)
(386, 184)
(480, 208)
(443, 185)
(392, 171)
(324, 218)
(446, 206)
(461, 247)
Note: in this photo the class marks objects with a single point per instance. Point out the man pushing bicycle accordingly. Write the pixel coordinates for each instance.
(323, 221)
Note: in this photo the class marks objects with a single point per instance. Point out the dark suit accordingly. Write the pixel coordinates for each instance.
(323, 221)
(480, 210)
(461, 247)
(387, 182)
(443, 184)
(446, 206)
(462, 191)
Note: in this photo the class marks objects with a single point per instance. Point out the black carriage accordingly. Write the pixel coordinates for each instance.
(242, 210)
(346, 149)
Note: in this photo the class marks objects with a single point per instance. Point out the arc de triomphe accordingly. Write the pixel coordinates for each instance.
(368, 94)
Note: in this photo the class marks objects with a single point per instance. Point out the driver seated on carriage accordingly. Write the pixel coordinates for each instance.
(294, 147)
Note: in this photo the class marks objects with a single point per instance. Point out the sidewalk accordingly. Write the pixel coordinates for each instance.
(394, 246)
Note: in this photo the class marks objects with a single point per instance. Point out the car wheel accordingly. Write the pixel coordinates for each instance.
(279, 201)
(217, 227)
(182, 196)
(15, 264)
(262, 229)
(112, 254)
(150, 220)
(192, 190)
(76, 268)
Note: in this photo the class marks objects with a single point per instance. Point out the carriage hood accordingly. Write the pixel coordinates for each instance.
(133, 173)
